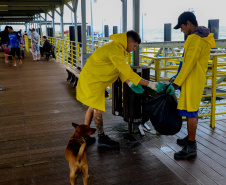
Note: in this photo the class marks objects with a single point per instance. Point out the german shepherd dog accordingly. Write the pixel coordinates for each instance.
(75, 152)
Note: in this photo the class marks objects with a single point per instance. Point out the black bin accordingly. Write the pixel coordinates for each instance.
(128, 104)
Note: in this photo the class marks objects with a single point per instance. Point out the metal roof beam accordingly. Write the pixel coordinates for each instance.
(45, 11)
(18, 12)
(15, 20)
(66, 3)
(20, 8)
(30, 3)
(58, 12)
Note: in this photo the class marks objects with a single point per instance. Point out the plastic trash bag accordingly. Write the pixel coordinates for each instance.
(163, 114)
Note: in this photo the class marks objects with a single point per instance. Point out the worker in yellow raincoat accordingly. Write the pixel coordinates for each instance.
(103, 68)
(191, 77)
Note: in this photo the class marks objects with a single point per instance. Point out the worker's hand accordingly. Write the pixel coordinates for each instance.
(170, 90)
(136, 88)
(157, 86)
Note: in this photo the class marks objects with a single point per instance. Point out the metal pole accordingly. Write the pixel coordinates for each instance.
(53, 17)
(46, 24)
(62, 21)
(91, 8)
(136, 23)
(213, 92)
(75, 5)
(83, 56)
(124, 15)
(40, 23)
(142, 26)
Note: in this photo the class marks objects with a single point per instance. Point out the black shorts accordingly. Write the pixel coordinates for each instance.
(15, 51)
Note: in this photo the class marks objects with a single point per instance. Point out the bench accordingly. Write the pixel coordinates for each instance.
(73, 73)
(51, 52)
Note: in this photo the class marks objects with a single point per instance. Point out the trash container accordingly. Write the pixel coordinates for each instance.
(128, 104)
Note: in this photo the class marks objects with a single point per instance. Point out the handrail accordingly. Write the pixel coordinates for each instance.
(68, 53)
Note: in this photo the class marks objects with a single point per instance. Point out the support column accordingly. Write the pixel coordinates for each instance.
(53, 19)
(75, 5)
(83, 53)
(40, 25)
(46, 24)
(124, 15)
(136, 27)
(62, 21)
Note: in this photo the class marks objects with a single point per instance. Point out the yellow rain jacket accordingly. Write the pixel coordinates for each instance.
(103, 68)
(192, 77)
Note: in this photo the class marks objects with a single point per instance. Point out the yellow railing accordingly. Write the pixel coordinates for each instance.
(67, 52)
(213, 64)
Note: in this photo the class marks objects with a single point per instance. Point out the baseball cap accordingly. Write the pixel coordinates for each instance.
(32, 29)
(184, 17)
(10, 27)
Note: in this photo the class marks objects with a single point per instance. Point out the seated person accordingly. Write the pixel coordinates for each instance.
(46, 46)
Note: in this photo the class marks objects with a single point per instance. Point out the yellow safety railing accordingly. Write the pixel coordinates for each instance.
(213, 65)
(67, 52)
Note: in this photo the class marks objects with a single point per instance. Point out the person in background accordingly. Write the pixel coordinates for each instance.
(35, 39)
(191, 77)
(4, 39)
(102, 69)
(14, 41)
(46, 47)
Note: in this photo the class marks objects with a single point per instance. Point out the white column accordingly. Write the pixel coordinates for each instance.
(62, 21)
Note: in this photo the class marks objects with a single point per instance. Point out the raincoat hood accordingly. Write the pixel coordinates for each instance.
(120, 38)
(201, 31)
(204, 32)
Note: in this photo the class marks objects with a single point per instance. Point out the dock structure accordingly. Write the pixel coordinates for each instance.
(37, 108)
(38, 105)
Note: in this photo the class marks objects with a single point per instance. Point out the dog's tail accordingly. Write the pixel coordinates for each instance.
(81, 151)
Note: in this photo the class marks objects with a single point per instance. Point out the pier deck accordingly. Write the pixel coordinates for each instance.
(37, 107)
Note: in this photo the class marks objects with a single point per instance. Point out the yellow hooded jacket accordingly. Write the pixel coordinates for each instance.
(103, 68)
(192, 77)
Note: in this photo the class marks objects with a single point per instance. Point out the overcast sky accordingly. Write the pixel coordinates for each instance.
(156, 12)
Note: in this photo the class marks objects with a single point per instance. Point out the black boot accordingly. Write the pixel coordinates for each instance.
(105, 141)
(90, 140)
(183, 141)
(188, 152)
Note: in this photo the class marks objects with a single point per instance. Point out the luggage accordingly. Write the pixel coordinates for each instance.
(163, 114)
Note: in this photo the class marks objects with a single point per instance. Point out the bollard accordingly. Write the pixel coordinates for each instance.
(167, 32)
(72, 33)
(50, 32)
(115, 29)
(88, 30)
(213, 25)
(106, 31)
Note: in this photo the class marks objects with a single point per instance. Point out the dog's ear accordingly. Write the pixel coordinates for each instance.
(75, 125)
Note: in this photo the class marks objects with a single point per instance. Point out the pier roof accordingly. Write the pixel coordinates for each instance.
(25, 10)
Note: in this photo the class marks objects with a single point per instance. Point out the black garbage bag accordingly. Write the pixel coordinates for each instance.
(163, 114)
